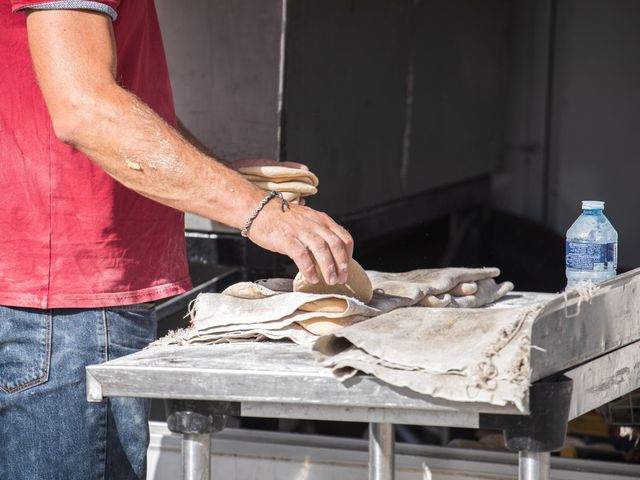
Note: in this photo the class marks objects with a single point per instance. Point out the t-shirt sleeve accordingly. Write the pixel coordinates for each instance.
(109, 7)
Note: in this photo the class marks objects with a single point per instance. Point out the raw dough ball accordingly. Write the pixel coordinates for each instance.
(358, 284)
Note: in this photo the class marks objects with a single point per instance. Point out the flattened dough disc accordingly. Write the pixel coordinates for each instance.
(324, 326)
(358, 284)
(295, 187)
(325, 305)
(276, 171)
(257, 178)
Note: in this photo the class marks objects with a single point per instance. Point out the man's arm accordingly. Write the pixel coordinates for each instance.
(74, 57)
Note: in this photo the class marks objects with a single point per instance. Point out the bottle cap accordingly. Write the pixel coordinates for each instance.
(592, 205)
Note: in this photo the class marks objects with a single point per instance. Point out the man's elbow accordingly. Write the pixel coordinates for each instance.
(65, 126)
(73, 116)
(66, 120)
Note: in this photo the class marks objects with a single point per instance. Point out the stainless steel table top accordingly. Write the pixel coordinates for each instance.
(280, 379)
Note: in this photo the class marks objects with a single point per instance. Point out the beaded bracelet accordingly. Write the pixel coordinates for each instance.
(245, 230)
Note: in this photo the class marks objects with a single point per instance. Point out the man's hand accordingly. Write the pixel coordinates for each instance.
(307, 237)
(74, 58)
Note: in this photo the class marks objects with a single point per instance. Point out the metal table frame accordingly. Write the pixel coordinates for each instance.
(588, 353)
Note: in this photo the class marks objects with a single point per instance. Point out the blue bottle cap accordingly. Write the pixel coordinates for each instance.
(592, 205)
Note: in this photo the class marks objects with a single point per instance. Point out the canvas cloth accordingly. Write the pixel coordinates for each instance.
(220, 317)
(464, 355)
(270, 309)
(459, 354)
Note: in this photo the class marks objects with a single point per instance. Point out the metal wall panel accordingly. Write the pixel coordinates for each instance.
(460, 55)
(519, 182)
(596, 114)
(390, 98)
(345, 84)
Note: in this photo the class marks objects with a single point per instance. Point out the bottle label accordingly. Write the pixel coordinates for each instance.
(591, 256)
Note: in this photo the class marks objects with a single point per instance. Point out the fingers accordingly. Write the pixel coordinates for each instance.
(303, 259)
(341, 244)
(346, 239)
(331, 248)
(330, 245)
(340, 231)
(323, 247)
(316, 244)
(341, 251)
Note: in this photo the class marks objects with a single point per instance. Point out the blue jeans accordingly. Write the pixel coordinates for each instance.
(48, 430)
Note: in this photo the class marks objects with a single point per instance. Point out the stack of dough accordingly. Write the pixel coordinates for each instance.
(293, 183)
(357, 286)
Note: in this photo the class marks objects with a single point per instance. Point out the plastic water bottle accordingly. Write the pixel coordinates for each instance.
(592, 246)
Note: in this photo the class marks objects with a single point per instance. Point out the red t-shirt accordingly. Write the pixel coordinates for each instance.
(71, 236)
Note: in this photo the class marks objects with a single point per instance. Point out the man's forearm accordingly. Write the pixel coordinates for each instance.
(140, 150)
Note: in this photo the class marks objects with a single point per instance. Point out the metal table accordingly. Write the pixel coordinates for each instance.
(587, 354)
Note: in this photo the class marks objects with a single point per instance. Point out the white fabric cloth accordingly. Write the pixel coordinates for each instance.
(459, 354)
(464, 355)
(270, 309)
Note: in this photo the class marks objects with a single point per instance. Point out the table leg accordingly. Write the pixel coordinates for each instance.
(534, 465)
(543, 431)
(196, 420)
(381, 451)
(196, 456)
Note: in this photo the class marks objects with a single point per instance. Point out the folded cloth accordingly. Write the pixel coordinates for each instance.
(464, 288)
(215, 312)
(249, 310)
(437, 301)
(270, 309)
(488, 291)
(191, 336)
(429, 281)
(443, 287)
(468, 355)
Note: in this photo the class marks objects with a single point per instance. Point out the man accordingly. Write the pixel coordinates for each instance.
(86, 121)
